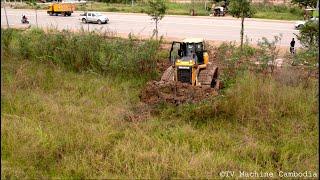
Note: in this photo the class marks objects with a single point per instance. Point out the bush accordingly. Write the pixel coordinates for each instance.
(306, 57)
(268, 53)
(309, 35)
(234, 60)
(6, 39)
(87, 52)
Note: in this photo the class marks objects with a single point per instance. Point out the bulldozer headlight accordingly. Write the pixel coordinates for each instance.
(190, 62)
(178, 61)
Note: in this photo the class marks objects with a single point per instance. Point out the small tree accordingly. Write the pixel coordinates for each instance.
(156, 9)
(309, 35)
(268, 53)
(309, 56)
(241, 9)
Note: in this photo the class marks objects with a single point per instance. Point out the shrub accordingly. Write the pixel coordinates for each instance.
(268, 53)
(234, 60)
(309, 35)
(7, 38)
(88, 52)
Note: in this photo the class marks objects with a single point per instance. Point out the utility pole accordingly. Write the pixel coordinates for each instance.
(37, 17)
(205, 5)
(5, 12)
(87, 18)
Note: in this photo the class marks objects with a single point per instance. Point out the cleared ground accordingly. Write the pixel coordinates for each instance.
(219, 29)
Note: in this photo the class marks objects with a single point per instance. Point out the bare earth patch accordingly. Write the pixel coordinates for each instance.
(174, 93)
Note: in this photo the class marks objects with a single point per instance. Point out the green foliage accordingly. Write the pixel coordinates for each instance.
(88, 52)
(33, 4)
(241, 8)
(61, 124)
(268, 53)
(311, 3)
(234, 61)
(263, 105)
(114, 1)
(6, 39)
(260, 99)
(307, 57)
(58, 124)
(157, 10)
(267, 11)
(309, 34)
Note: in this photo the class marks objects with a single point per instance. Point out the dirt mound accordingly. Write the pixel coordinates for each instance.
(174, 92)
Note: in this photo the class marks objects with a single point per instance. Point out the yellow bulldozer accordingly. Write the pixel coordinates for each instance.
(190, 64)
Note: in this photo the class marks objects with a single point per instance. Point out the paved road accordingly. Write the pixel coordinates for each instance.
(211, 28)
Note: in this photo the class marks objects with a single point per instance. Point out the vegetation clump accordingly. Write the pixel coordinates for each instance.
(85, 52)
(74, 113)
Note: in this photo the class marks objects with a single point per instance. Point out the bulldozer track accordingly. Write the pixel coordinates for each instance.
(208, 76)
(168, 74)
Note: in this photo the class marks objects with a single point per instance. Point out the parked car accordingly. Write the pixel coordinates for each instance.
(94, 17)
(300, 24)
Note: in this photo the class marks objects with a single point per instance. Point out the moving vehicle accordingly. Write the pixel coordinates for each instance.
(94, 17)
(24, 20)
(300, 24)
(219, 11)
(65, 9)
(313, 12)
(190, 64)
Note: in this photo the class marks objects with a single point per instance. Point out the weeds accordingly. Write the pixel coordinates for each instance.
(6, 39)
(72, 122)
(86, 52)
(268, 53)
(270, 111)
(234, 60)
(282, 12)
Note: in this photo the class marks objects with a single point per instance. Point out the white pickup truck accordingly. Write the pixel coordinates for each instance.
(94, 17)
(300, 24)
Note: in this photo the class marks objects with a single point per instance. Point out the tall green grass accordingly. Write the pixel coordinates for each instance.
(281, 12)
(85, 52)
(272, 123)
(62, 122)
(173, 8)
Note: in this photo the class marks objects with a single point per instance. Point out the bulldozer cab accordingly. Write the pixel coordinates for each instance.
(188, 49)
(190, 64)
